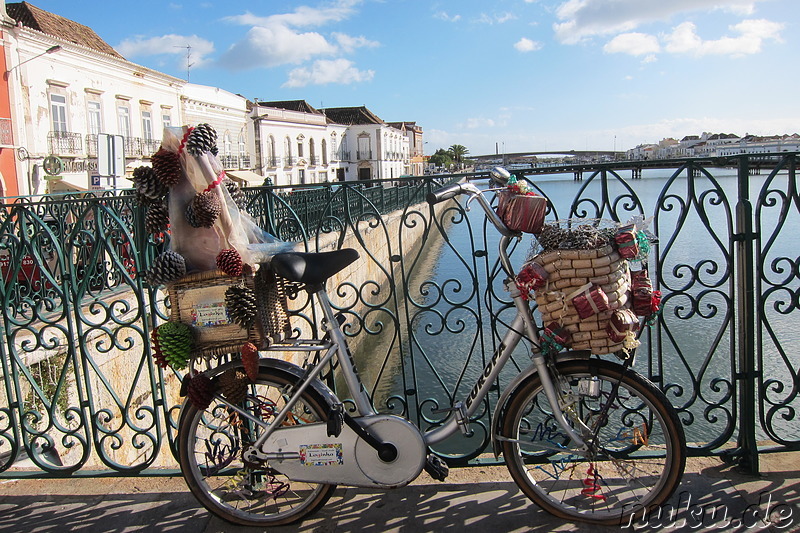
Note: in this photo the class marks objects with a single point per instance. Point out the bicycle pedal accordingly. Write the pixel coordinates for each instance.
(335, 420)
(436, 467)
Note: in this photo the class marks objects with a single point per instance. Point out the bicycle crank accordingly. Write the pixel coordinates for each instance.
(308, 453)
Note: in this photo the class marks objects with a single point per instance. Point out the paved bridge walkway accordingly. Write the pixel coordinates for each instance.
(712, 497)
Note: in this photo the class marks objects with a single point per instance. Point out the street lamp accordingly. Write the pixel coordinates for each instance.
(50, 50)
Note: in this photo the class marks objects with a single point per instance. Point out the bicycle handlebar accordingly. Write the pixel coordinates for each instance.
(451, 191)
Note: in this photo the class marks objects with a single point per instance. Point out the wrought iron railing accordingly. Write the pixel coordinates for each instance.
(64, 143)
(79, 388)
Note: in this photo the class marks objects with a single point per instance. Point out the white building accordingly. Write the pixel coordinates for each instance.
(294, 144)
(372, 148)
(228, 114)
(66, 86)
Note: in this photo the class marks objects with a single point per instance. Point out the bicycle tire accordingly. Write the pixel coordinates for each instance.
(210, 445)
(632, 467)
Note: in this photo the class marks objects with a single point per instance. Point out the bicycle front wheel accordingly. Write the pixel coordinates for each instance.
(210, 446)
(636, 445)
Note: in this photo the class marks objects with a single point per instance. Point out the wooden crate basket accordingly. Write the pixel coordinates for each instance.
(198, 300)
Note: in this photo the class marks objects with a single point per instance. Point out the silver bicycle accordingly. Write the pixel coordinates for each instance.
(585, 438)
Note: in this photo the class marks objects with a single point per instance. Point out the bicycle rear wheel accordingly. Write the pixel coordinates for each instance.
(210, 446)
(637, 449)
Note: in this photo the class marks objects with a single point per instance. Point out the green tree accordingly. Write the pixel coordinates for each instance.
(441, 158)
(457, 152)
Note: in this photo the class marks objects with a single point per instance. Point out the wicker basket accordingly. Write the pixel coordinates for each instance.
(198, 300)
(521, 212)
(568, 271)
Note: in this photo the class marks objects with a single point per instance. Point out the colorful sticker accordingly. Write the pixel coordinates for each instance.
(321, 454)
(210, 314)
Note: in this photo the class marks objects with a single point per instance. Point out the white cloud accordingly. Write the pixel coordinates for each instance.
(279, 39)
(270, 46)
(348, 44)
(635, 44)
(442, 15)
(582, 19)
(527, 45)
(752, 34)
(171, 44)
(325, 71)
(496, 18)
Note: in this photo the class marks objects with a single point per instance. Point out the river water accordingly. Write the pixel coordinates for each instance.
(446, 330)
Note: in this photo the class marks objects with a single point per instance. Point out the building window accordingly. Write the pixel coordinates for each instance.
(312, 151)
(243, 152)
(324, 151)
(58, 111)
(300, 147)
(124, 120)
(302, 176)
(287, 150)
(273, 161)
(95, 118)
(147, 125)
(166, 120)
(228, 148)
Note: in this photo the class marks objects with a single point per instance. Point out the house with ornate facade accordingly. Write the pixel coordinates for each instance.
(67, 96)
(372, 148)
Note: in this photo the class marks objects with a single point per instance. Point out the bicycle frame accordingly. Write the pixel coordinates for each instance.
(521, 327)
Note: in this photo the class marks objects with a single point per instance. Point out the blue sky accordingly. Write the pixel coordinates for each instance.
(508, 75)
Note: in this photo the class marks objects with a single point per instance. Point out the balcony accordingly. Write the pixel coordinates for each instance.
(363, 154)
(231, 162)
(139, 147)
(289, 161)
(64, 143)
(134, 146)
(273, 161)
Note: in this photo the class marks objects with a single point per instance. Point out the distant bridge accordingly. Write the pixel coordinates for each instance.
(581, 154)
(578, 168)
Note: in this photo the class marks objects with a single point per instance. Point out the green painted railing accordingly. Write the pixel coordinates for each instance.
(80, 392)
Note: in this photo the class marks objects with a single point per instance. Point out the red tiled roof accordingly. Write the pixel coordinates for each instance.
(38, 19)
(351, 115)
(291, 105)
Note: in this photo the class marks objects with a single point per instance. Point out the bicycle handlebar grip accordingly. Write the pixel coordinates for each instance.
(445, 193)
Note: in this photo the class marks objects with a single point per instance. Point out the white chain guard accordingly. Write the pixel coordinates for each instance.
(347, 459)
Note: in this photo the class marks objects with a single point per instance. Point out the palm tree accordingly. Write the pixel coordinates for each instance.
(457, 152)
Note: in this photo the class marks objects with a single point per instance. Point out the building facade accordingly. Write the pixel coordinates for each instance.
(68, 96)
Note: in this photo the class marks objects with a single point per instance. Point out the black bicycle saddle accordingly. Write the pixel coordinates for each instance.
(312, 268)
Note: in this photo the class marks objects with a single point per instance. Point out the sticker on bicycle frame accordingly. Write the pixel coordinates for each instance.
(321, 455)
(210, 314)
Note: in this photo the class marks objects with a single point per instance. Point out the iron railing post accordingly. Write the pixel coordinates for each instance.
(744, 237)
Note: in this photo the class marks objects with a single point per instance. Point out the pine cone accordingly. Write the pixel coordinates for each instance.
(175, 340)
(230, 262)
(200, 391)
(157, 218)
(167, 166)
(158, 355)
(202, 139)
(204, 209)
(148, 188)
(241, 303)
(250, 360)
(233, 385)
(236, 193)
(166, 267)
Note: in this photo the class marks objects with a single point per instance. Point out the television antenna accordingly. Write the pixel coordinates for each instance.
(189, 64)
